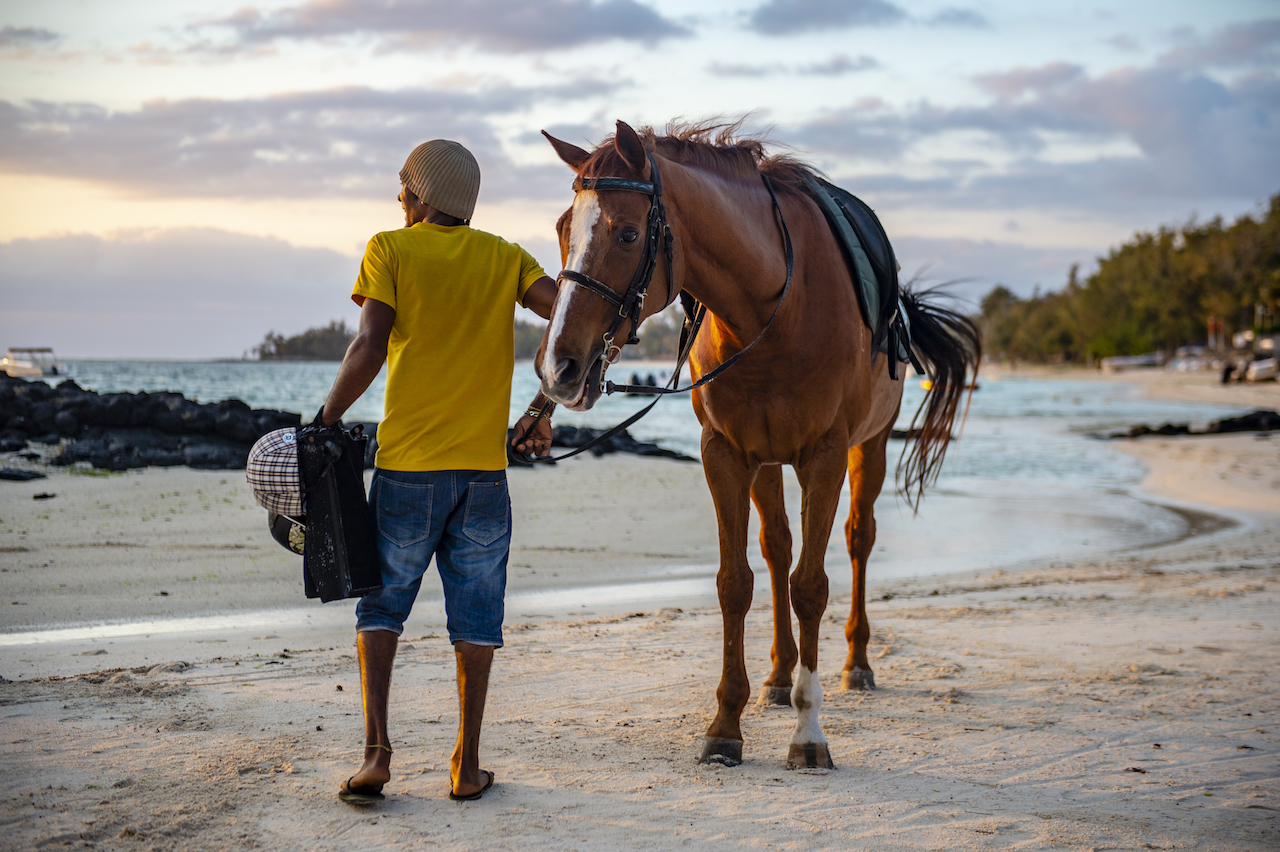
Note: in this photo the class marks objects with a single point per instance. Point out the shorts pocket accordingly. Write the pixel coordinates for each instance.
(488, 512)
(403, 511)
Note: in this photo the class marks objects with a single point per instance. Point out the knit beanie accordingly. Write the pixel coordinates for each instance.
(445, 175)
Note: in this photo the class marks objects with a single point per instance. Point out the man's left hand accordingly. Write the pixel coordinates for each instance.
(537, 442)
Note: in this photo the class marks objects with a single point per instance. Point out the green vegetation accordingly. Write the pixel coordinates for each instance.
(328, 343)
(528, 339)
(1158, 291)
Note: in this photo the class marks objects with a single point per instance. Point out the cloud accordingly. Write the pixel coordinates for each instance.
(784, 17)
(840, 64)
(495, 25)
(833, 67)
(178, 293)
(25, 37)
(745, 69)
(349, 141)
(1252, 43)
(1122, 42)
(954, 16)
(1193, 137)
(1010, 84)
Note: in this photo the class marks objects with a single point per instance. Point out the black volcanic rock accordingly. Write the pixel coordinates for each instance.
(119, 431)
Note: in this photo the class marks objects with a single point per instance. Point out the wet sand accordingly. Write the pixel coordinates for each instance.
(1123, 701)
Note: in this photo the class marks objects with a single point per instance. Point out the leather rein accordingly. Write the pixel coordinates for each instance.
(631, 302)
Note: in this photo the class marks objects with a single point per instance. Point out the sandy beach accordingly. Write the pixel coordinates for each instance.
(1121, 701)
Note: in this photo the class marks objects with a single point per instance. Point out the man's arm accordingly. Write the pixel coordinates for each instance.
(365, 357)
(529, 438)
(540, 296)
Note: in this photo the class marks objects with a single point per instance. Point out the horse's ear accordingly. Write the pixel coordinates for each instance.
(567, 151)
(627, 143)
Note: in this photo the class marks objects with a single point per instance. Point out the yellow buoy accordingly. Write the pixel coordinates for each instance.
(926, 384)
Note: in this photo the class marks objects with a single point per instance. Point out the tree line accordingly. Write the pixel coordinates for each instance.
(1155, 292)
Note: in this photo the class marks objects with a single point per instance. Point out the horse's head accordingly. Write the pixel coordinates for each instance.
(608, 238)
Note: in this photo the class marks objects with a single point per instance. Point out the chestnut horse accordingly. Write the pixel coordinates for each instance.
(812, 394)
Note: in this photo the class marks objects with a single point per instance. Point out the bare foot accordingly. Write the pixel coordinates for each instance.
(373, 775)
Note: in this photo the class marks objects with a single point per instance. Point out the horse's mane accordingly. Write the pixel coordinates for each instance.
(713, 145)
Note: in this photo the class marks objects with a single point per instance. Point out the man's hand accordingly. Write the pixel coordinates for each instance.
(538, 442)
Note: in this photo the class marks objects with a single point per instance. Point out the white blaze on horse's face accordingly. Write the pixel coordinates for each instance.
(582, 226)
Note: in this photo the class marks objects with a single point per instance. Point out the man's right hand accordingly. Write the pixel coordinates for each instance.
(538, 442)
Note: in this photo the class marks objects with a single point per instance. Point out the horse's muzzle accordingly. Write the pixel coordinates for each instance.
(572, 386)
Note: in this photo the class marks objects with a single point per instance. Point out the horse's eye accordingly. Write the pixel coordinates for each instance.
(630, 235)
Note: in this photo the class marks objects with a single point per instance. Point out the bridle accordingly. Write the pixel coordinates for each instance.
(630, 303)
(658, 231)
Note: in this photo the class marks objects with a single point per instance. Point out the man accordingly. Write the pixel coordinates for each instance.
(437, 304)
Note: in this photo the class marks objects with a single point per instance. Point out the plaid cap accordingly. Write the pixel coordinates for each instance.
(272, 472)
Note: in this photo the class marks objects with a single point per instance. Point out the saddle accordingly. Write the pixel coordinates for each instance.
(872, 266)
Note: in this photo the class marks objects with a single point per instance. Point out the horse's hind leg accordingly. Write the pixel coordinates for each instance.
(866, 477)
(821, 479)
(730, 483)
(775, 544)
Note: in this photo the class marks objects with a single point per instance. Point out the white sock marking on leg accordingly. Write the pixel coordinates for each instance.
(806, 696)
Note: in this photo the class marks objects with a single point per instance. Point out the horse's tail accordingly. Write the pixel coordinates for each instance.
(949, 346)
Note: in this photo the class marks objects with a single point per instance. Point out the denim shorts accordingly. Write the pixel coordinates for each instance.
(463, 519)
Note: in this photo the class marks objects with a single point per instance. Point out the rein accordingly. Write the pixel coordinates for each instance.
(630, 303)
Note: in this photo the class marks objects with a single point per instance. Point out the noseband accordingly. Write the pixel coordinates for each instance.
(631, 302)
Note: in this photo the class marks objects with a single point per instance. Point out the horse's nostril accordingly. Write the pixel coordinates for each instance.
(567, 370)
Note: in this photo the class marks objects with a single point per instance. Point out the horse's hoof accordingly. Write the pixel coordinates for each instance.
(775, 696)
(809, 756)
(858, 679)
(723, 752)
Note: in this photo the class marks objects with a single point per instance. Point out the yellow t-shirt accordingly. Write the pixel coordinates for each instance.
(452, 350)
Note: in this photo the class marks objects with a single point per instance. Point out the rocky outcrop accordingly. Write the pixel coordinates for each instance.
(1260, 420)
(118, 431)
(572, 437)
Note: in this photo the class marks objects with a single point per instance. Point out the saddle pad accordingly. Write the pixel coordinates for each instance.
(870, 257)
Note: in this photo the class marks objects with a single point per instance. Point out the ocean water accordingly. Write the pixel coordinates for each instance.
(1023, 481)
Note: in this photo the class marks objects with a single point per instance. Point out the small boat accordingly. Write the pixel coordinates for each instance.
(1263, 370)
(32, 363)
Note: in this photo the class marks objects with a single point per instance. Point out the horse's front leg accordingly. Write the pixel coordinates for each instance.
(730, 483)
(820, 480)
(775, 544)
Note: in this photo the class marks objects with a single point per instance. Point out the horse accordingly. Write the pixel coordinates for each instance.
(812, 394)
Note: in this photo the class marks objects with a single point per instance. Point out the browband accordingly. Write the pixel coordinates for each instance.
(582, 183)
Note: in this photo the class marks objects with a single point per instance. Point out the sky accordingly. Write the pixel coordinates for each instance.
(181, 177)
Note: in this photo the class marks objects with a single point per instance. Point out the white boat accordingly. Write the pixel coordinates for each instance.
(32, 363)
(1261, 371)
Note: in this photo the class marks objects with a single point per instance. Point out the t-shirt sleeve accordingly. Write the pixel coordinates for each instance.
(376, 280)
(530, 272)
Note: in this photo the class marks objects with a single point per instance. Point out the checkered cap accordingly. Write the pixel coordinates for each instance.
(272, 472)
